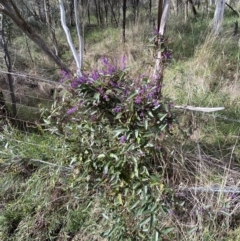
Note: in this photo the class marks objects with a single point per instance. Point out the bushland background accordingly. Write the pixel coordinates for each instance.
(50, 190)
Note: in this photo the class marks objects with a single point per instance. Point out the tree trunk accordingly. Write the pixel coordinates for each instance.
(124, 20)
(113, 13)
(10, 9)
(218, 16)
(193, 8)
(9, 66)
(40, 10)
(106, 12)
(77, 57)
(49, 24)
(71, 8)
(186, 10)
(163, 14)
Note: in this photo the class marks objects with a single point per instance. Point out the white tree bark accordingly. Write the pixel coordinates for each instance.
(69, 39)
(212, 2)
(218, 16)
(80, 40)
(165, 14)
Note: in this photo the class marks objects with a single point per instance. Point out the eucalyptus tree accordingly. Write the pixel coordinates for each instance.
(218, 16)
(78, 55)
(163, 15)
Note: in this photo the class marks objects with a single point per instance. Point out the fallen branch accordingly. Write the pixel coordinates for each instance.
(202, 109)
(212, 189)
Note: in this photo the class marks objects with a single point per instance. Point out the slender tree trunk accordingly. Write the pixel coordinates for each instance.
(96, 11)
(150, 7)
(49, 23)
(186, 10)
(10, 9)
(71, 7)
(77, 57)
(193, 8)
(88, 13)
(106, 12)
(3, 107)
(40, 10)
(9, 66)
(80, 39)
(124, 8)
(163, 14)
(218, 16)
(113, 13)
(100, 14)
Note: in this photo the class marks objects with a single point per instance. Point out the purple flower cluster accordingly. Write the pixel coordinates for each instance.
(117, 109)
(123, 139)
(110, 68)
(72, 110)
(166, 55)
(65, 76)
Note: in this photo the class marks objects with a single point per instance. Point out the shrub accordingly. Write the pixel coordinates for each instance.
(115, 128)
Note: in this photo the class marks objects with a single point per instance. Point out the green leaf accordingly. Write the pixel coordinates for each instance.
(153, 220)
(151, 39)
(101, 156)
(163, 127)
(136, 133)
(225, 213)
(105, 216)
(132, 96)
(119, 131)
(150, 113)
(120, 199)
(146, 124)
(135, 204)
(114, 156)
(162, 117)
(145, 221)
(156, 235)
(167, 230)
(192, 230)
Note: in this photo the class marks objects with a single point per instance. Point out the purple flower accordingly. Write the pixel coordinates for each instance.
(111, 69)
(74, 84)
(123, 139)
(138, 100)
(82, 79)
(113, 84)
(171, 105)
(95, 75)
(65, 76)
(151, 95)
(93, 117)
(72, 110)
(156, 103)
(105, 61)
(105, 97)
(117, 109)
(100, 90)
(171, 212)
(155, 30)
(168, 54)
(158, 148)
